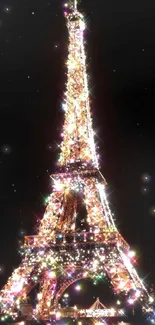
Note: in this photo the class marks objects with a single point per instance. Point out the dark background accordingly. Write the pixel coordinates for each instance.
(120, 45)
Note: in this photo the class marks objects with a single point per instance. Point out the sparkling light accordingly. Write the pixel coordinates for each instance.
(131, 254)
(78, 287)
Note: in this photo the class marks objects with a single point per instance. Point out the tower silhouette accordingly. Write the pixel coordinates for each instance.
(77, 237)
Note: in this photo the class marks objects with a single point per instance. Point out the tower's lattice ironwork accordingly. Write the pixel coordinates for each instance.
(77, 237)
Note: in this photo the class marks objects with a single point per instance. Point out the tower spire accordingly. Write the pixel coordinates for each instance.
(78, 145)
(75, 4)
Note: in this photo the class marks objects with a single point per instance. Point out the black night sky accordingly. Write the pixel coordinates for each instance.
(120, 45)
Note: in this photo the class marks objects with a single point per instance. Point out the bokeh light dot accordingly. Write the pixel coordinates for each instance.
(146, 178)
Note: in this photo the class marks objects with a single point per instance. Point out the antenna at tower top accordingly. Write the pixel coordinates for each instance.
(75, 4)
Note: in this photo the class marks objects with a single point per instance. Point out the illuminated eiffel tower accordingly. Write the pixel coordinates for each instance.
(77, 237)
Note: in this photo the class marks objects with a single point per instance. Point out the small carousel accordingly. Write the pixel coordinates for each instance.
(95, 311)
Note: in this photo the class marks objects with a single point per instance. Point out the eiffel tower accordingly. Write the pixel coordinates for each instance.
(77, 237)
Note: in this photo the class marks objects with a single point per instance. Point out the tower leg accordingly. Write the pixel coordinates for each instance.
(16, 289)
(46, 295)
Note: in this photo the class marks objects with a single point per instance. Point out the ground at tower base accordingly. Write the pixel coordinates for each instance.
(74, 315)
(83, 322)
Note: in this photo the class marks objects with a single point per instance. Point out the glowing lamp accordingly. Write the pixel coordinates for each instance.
(118, 302)
(131, 254)
(78, 287)
(151, 299)
(131, 301)
(51, 275)
(137, 294)
(58, 315)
